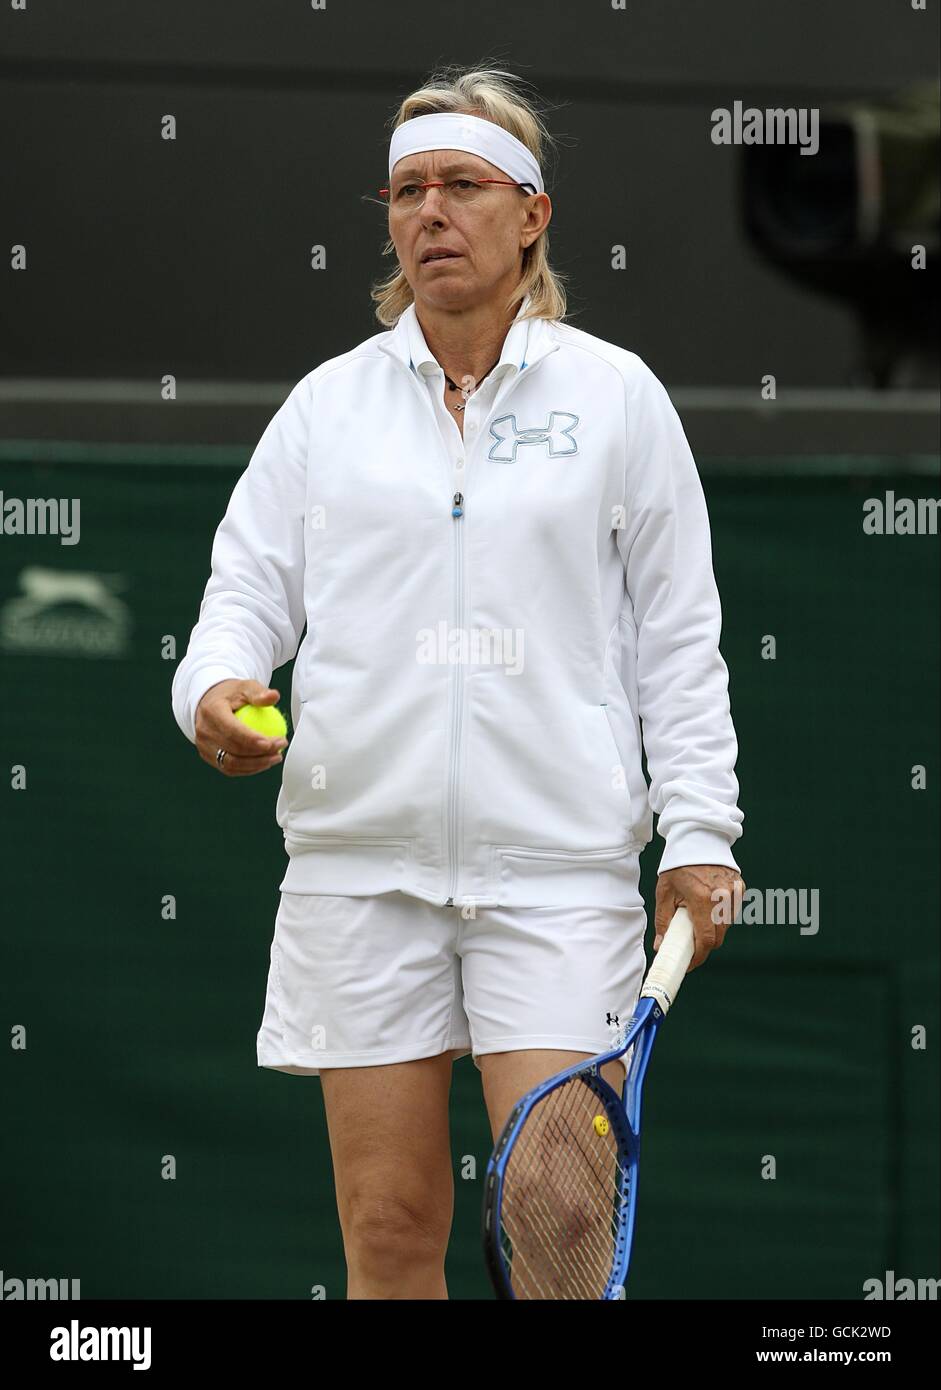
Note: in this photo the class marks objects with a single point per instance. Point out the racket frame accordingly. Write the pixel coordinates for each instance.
(624, 1114)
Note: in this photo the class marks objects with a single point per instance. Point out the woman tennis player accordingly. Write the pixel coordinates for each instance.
(492, 526)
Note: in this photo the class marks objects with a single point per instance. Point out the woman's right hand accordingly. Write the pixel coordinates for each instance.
(246, 751)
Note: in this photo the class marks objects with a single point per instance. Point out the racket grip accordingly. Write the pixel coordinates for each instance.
(671, 962)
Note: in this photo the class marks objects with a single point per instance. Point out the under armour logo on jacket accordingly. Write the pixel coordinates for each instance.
(557, 435)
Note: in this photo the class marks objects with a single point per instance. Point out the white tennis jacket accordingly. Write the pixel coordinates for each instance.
(491, 629)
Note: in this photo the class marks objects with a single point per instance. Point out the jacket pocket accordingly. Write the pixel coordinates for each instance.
(326, 840)
(619, 766)
(625, 754)
(624, 737)
(626, 759)
(565, 856)
(297, 753)
(355, 856)
(530, 876)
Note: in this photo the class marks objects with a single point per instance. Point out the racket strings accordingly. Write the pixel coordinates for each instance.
(540, 1270)
(562, 1199)
(558, 1230)
(574, 1263)
(539, 1253)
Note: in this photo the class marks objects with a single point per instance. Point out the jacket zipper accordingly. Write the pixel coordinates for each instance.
(457, 513)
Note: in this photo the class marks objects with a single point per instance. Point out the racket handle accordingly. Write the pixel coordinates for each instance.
(671, 961)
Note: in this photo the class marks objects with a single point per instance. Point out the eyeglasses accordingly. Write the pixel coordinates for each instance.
(409, 197)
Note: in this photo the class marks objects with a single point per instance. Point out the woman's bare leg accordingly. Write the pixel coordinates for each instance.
(390, 1142)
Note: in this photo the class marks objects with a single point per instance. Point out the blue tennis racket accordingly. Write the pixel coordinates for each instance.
(561, 1187)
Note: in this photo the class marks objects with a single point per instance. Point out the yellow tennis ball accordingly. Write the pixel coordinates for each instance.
(601, 1125)
(264, 719)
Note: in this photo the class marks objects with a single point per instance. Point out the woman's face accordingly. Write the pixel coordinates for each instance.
(488, 236)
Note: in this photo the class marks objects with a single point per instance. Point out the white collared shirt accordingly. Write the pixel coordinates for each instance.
(481, 402)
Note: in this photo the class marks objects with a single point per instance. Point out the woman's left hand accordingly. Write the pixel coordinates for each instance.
(711, 894)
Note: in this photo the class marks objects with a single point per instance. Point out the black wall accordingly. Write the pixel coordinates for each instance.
(192, 256)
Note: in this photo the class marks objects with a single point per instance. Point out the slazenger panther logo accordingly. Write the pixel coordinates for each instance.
(557, 435)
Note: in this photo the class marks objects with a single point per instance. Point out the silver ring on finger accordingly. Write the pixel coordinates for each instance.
(220, 756)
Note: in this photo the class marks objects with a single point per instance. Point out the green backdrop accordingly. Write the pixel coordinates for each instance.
(141, 1030)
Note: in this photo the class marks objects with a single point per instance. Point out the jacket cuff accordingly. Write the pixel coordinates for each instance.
(199, 682)
(693, 844)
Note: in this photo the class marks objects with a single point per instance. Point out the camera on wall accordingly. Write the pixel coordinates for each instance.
(859, 220)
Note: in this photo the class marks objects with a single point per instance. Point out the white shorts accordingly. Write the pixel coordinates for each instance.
(368, 981)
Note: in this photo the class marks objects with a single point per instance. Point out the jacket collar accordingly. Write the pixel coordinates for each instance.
(526, 342)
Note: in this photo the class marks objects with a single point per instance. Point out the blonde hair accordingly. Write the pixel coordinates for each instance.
(495, 95)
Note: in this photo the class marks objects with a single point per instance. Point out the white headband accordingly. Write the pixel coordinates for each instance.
(457, 131)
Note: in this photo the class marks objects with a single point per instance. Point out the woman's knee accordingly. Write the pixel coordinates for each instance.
(389, 1229)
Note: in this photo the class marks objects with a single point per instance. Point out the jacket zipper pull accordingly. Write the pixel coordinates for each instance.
(457, 509)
